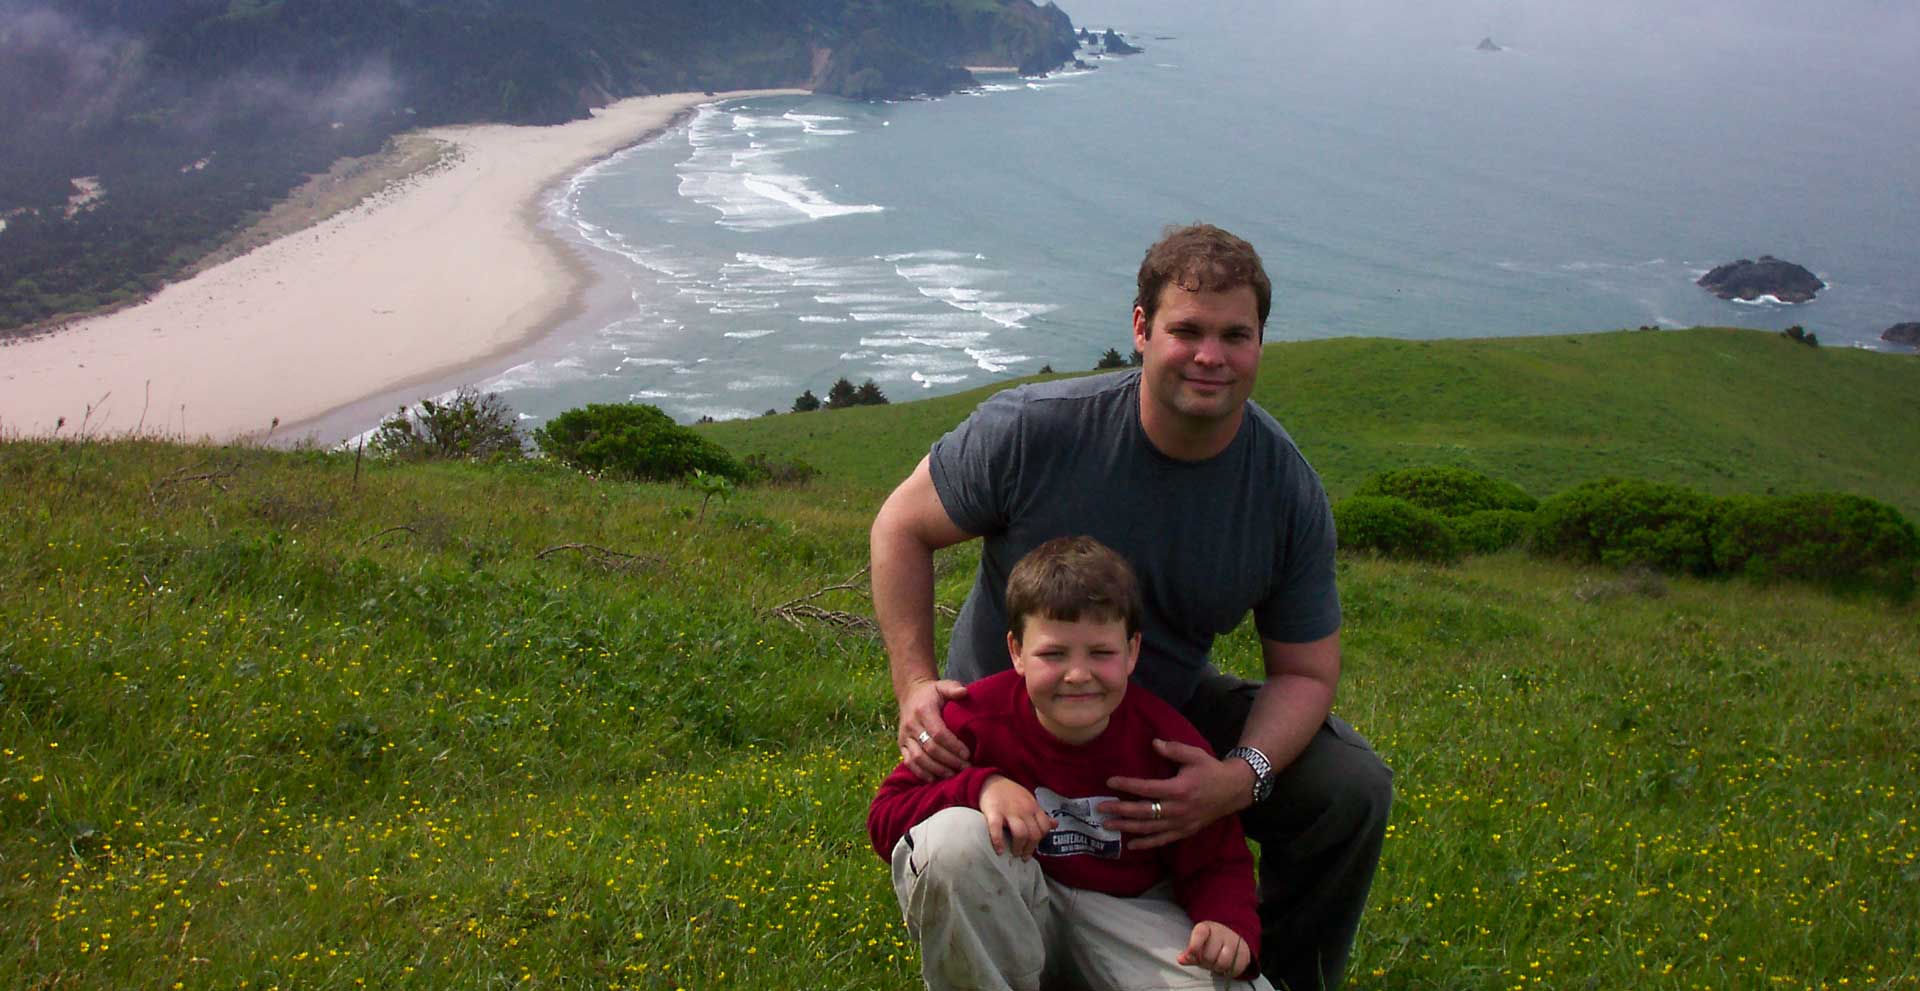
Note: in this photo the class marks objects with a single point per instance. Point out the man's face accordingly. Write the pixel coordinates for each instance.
(1199, 362)
(1076, 672)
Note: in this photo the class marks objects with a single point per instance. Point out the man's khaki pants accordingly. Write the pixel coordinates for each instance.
(987, 921)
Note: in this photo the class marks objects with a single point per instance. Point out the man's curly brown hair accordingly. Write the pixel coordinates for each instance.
(1197, 257)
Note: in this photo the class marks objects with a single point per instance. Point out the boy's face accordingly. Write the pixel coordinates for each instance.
(1076, 672)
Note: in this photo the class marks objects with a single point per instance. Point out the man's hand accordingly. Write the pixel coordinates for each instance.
(926, 745)
(1217, 948)
(1203, 790)
(1014, 819)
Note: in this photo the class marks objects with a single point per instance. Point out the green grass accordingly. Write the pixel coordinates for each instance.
(266, 725)
(1723, 410)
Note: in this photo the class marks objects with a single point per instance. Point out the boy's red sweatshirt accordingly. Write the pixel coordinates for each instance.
(1211, 871)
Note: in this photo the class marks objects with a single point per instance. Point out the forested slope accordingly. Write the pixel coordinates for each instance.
(189, 116)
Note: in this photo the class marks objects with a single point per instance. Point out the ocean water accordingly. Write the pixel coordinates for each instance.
(1397, 182)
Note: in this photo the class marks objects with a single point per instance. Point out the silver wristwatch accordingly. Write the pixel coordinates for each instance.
(1262, 771)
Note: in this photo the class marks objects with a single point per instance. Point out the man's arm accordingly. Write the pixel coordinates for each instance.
(910, 526)
(1287, 712)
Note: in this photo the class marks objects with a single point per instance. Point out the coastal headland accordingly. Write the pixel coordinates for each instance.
(442, 269)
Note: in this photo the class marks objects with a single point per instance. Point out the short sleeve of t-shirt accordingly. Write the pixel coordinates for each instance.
(1304, 604)
(976, 466)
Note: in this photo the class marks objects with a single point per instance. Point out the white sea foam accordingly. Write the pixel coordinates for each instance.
(652, 394)
(1764, 299)
(775, 263)
(955, 285)
(718, 412)
(753, 382)
(861, 299)
(816, 318)
(793, 192)
(952, 340)
(729, 307)
(994, 360)
(935, 254)
(748, 335)
(928, 381)
(648, 362)
(734, 169)
(927, 362)
(956, 322)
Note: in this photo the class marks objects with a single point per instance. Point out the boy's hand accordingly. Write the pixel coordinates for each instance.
(1014, 819)
(1217, 948)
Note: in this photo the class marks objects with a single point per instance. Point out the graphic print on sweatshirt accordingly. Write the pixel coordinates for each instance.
(1078, 829)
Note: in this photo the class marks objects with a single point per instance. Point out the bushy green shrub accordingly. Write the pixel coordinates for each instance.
(1826, 537)
(1449, 491)
(764, 470)
(470, 424)
(1623, 521)
(1490, 531)
(1394, 527)
(632, 440)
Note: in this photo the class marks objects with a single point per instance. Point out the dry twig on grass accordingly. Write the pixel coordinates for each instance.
(803, 608)
(607, 559)
(392, 529)
(179, 476)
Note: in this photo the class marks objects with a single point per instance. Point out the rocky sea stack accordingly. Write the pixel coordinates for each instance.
(1116, 45)
(1902, 333)
(1487, 45)
(1749, 280)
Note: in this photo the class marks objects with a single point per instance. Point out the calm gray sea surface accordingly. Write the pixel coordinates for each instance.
(1398, 182)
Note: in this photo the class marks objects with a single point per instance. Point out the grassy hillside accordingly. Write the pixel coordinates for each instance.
(275, 720)
(1724, 410)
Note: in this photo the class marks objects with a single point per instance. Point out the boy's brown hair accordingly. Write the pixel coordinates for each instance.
(1070, 579)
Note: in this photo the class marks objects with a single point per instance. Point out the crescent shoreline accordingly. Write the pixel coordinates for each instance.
(448, 269)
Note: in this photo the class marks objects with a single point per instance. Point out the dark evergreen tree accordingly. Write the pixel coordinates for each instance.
(841, 395)
(1112, 359)
(806, 402)
(869, 394)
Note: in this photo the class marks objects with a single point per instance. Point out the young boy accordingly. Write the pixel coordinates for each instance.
(1005, 871)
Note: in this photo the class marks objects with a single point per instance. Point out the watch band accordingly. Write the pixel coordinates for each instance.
(1262, 770)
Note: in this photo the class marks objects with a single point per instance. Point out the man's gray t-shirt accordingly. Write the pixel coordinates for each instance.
(1246, 529)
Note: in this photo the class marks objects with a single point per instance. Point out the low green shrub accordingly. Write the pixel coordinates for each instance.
(1626, 521)
(1449, 491)
(762, 470)
(1827, 537)
(1394, 527)
(470, 424)
(633, 440)
(1490, 531)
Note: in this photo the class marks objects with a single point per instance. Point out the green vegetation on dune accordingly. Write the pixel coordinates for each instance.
(1725, 410)
(280, 720)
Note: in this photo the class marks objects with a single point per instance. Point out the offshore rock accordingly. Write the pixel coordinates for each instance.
(1902, 333)
(1486, 45)
(1116, 45)
(1749, 280)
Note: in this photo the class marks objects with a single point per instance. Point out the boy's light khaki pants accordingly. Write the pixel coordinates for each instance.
(991, 922)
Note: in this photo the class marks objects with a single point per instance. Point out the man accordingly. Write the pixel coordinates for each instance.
(1207, 497)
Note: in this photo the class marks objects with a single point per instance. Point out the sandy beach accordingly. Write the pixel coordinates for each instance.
(440, 271)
